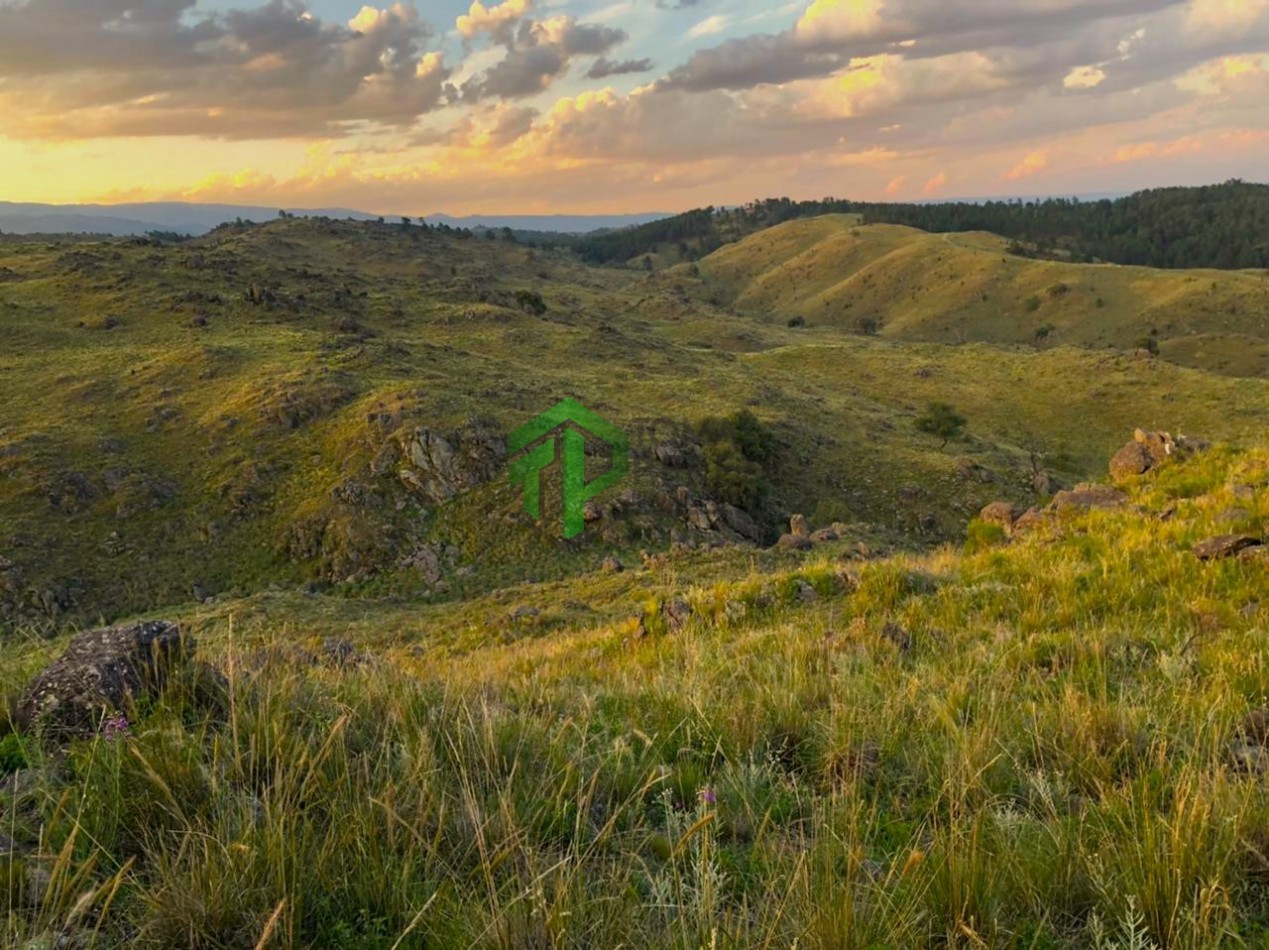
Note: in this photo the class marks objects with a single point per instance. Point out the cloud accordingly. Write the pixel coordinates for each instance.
(538, 54)
(499, 21)
(83, 68)
(603, 67)
(1084, 77)
(1033, 164)
(896, 184)
(709, 26)
(830, 33)
(936, 184)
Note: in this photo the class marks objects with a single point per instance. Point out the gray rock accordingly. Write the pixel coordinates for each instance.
(102, 672)
(798, 527)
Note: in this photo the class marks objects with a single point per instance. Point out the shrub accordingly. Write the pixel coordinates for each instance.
(737, 448)
(530, 301)
(798, 321)
(1149, 344)
(941, 419)
(1032, 304)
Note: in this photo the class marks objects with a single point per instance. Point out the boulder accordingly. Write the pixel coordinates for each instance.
(1257, 554)
(101, 673)
(794, 543)
(798, 527)
(1029, 519)
(1132, 460)
(741, 523)
(824, 534)
(1003, 514)
(612, 565)
(1223, 546)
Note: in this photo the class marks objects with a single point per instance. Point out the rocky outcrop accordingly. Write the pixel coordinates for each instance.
(101, 673)
(1147, 451)
(798, 527)
(438, 466)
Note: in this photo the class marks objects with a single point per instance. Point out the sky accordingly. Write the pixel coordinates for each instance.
(611, 106)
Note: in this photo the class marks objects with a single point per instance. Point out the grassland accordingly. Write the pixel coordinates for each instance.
(913, 741)
(216, 413)
(956, 288)
(1027, 745)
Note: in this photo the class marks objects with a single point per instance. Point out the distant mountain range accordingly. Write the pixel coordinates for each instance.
(188, 218)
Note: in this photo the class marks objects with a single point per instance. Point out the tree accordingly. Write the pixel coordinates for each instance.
(405, 222)
(941, 419)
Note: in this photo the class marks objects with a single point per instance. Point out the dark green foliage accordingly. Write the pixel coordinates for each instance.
(12, 754)
(1032, 304)
(1214, 226)
(738, 449)
(531, 301)
(941, 419)
(798, 321)
(1149, 344)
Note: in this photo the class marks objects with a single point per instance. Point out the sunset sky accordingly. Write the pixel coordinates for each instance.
(574, 106)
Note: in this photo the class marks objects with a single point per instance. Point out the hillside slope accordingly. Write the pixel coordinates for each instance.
(1057, 742)
(261, 407)
(953, 288)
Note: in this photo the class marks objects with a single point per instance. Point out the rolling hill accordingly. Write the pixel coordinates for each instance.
(259, 406)
(909, 285)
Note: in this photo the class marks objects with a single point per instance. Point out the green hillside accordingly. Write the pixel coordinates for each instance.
(1057, 742)
(954, 288)
(250, 409)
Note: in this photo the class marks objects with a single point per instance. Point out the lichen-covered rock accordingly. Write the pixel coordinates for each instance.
(798, 527)
(102, 672)
(1227, 545)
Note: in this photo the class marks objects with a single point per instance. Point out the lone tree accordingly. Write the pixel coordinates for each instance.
(941, 419)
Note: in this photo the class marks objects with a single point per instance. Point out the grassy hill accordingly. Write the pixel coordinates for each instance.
(953, 288)
(244, 410)
(1049, 743)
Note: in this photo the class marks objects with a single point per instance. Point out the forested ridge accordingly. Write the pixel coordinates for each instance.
(1222, 226)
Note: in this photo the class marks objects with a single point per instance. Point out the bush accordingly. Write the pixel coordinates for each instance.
(1032, 304)
(530, 301)
(737, 448)
(798, 321)
(941, 419)
(1149, 344)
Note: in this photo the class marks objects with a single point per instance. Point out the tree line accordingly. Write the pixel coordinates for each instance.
(1220, 226)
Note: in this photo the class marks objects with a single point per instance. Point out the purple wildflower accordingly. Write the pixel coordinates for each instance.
(706, 795)
(115, 727)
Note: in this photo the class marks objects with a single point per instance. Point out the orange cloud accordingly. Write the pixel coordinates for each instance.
(1135, 153)
(1033, 164)
(896, 184)
(936, 184)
